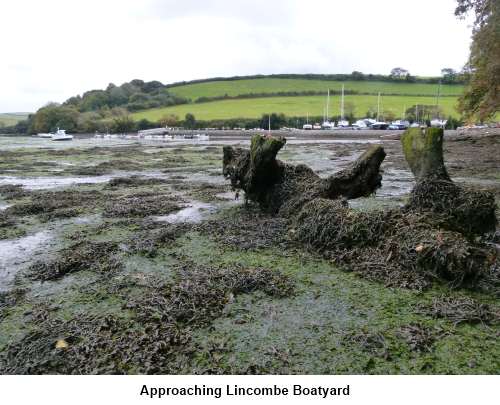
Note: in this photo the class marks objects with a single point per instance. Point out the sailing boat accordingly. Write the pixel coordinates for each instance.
(436, 122)
(326, 123)
(307, 126)
(379, 124)
(343, 123)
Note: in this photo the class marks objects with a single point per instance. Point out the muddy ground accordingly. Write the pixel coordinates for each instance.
(126, 257)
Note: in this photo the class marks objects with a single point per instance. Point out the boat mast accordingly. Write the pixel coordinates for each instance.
(328, 106)
(378, 107)
(437, 99)
(342, 105)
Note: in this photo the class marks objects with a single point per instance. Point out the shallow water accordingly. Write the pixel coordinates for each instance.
(17, 252)
(48, 182)
(195, 212)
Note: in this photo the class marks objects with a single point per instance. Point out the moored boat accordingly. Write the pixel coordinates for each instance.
(61, 135)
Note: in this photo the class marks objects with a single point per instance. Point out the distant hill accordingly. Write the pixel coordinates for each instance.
(8, 119)
(223, 99)
(259, 86)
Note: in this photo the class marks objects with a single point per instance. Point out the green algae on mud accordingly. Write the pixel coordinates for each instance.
(314, 331)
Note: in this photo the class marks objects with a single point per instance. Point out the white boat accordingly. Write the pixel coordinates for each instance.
(343, 123)
(202, 137)
(437, 123)
(399, 125)
(328, 125)
(44, 135)
(360, 124)
(379, 125)
(61, 135)
(326, 121)
(307, 126)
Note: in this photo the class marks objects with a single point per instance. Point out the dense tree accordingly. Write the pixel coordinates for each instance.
(481, 98)
(169, 120)
(123, 124)
(276, 120)
(145, 124)
(190, 121)
(53, 116)
(357, 75)
(399, 73)
(449, 75)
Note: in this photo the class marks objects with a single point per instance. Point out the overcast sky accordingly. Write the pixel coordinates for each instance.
(54, 49)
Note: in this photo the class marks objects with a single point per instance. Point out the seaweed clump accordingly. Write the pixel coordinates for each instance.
(153, 335)
(461, 310)
(248, 229)
(141, 205)
(83, 255)
(13, 191)
(135, 181)
(149, 242)
(49, 205)
(399, 248)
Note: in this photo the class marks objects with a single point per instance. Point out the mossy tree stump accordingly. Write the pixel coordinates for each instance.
(276, 185)
(423, 150)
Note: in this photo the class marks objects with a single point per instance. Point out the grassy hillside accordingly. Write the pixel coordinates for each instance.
(292, 106)
(275, 85)
(12, 118)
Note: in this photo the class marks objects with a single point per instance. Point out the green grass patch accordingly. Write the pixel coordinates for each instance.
(293, 106)
(274, 85)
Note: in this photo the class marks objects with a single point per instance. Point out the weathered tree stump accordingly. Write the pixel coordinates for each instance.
(423, 150)
(278, 186)
(457, 208)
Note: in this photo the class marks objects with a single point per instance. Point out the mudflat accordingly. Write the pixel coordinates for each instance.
(123, 256)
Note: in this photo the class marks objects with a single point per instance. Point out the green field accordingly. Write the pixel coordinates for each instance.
(12, 118)
(293, 106)
(273, 85)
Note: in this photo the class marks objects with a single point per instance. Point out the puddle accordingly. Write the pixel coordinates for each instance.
(194, 213)
(43, 183)
(17, 252)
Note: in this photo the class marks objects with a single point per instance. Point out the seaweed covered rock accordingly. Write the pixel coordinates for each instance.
(468, 211)
(399, 248)
(280, 187)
